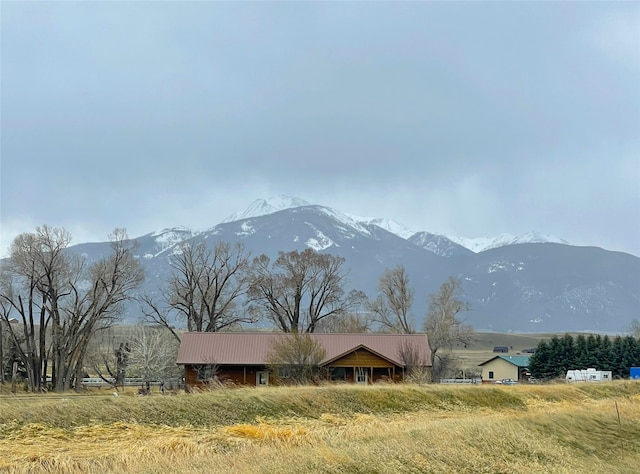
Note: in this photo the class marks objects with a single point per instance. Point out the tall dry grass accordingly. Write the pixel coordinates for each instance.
(339, 429)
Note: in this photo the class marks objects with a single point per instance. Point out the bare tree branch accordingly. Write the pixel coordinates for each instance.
(205, 288)
(391, 309)
(443, 326)
(299, 289)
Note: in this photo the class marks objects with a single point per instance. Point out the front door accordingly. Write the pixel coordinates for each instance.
(361, 375)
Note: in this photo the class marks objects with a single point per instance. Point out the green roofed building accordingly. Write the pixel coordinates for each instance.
(506, 368)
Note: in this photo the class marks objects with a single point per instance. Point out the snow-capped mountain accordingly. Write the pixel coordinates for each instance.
(444, 244)
(263, 207)
(526, 284)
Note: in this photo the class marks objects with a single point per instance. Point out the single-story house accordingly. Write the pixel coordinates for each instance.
(241, 358)
(502, 367)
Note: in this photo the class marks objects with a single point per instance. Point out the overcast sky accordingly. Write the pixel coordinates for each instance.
(471, 119)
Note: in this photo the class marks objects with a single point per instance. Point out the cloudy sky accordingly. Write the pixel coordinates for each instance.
(471, 119)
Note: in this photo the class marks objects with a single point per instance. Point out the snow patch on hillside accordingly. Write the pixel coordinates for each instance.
(320, 242)
(167, 238)
(247, 229)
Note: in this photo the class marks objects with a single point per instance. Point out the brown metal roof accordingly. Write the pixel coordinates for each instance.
(235, 348)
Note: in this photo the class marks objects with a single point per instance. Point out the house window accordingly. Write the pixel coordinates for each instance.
(262, 377)
(338, 374)
(491, 374)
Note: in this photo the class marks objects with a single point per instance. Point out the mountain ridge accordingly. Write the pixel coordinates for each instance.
(266, 206)
(521, 287)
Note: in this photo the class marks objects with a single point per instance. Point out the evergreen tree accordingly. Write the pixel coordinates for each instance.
(539, 363)
(617, 358)
(590, 359)
(580, 350)
(605, 354)
(556, 363)
(568, 353)
(555, 357)
(630, 354)
(538, 360)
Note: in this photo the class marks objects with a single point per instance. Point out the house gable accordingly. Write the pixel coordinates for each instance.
(518, 361)
(360, 356)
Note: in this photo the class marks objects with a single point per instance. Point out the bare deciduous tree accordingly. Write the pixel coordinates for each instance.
(295, 358)
(299, 289)
(108, 356)
(30, 284)
(2, 344)
(158, 311)
(442, 324)
(347, 323)
(356, 320)
(4, 349)
(204, 289)
(391, 309)
(56, 294)
(153, 355)
(416, 367)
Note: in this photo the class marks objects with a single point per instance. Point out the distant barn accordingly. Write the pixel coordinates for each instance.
(502, 349)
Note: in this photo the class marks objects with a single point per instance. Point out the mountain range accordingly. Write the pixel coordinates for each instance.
(529, 283)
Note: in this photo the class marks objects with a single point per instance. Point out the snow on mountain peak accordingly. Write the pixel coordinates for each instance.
(387, 224)
(263, 207)
(485, 243)
(280, 202)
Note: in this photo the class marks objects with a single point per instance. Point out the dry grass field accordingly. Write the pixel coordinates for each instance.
(329, 429)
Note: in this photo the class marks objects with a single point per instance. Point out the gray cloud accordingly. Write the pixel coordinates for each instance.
(473, 119)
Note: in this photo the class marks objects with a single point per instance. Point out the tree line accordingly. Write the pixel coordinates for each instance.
(56, 308)
(553, 358)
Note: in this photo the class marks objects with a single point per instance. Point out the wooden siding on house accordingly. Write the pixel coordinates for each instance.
(361, 358)
(377, 368)
(231, 374)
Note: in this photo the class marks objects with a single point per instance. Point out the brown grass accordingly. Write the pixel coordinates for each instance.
(402, 428)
